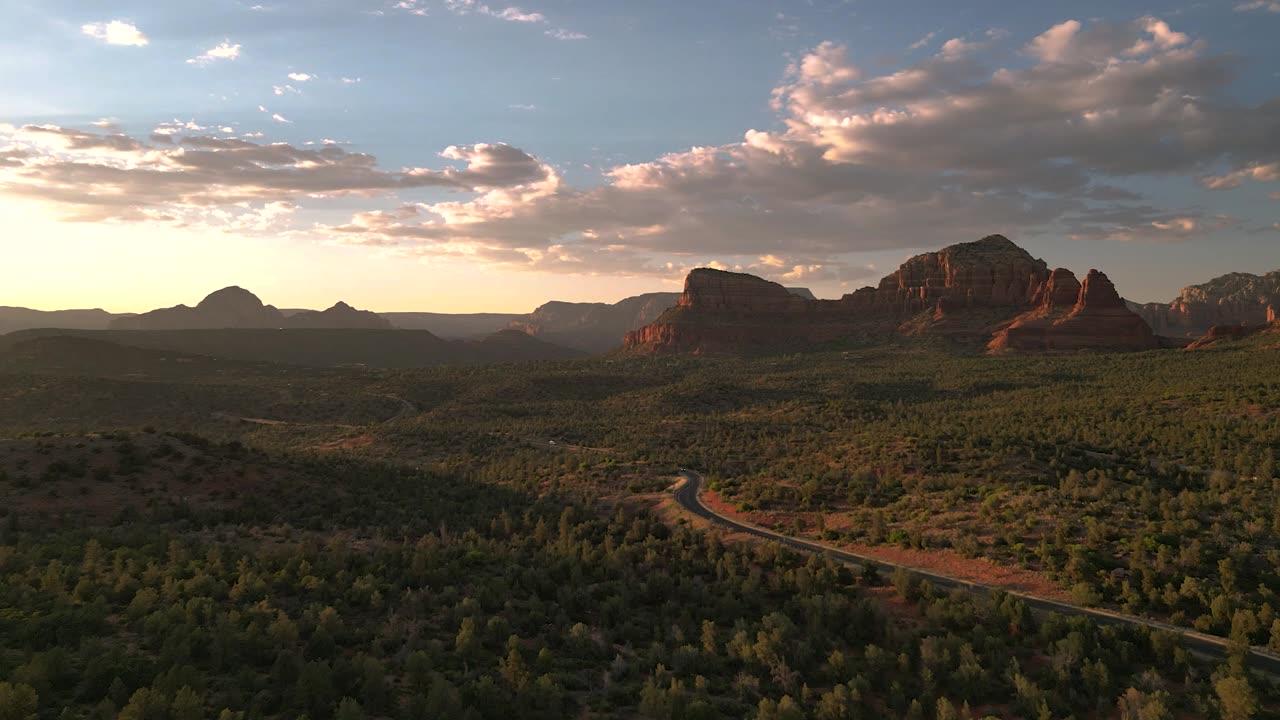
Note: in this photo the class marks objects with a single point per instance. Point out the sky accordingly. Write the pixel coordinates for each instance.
(458, 156)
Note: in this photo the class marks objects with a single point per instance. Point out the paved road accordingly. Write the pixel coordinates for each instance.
(688, 495)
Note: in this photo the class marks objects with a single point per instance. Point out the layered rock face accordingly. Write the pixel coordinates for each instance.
(720, 311)
(1097, 319)
(991, 272)
(971, 289)
(237, 308)
(1232, 299)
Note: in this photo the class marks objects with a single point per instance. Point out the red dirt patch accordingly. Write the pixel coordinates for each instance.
(940, 561)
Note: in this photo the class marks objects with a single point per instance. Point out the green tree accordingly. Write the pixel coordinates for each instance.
(188, 705)
(349, 709)
(145, 704)
(18, 701)
(1236, 698)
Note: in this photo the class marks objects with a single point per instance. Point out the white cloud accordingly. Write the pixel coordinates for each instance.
(223, 51)
(301, 77)
(922, 42)
(1051, 45)
(112, 177)
(350, 81)
(956, 47)
(280, 118)
(1267, 5)
(282, 89)
(562, 34)
(116, 32)
(526, 108)
(410, 6)
(511, 14)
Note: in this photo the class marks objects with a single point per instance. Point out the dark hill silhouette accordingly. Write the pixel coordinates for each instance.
(235, 307)
(340, 315)
(13, 319)
(324, 347)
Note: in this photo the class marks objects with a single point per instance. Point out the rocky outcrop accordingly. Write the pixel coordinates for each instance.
(237, 308)
(1232, 299)
(1097, 320)
(1224, 333)
(971, 290)
(722, 311)
(991, 272)
(340, 315)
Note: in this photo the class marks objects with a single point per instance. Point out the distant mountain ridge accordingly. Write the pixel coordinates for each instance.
(13, 319)
(1236, 298)
(584, 326)
(235, 307)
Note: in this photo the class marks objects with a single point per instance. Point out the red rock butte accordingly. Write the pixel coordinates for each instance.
(989, 290)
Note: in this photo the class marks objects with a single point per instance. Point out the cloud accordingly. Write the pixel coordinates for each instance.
(99, 177)
(917, 157)
(945, 149)
(282, 89)
(562, 34)
(515, 15)
(510, 14)
(116, 32)
(1267, 5)
(924, 41)
(350, 81)
(280, 118)
(223, 51)
(410, 6)
(526, 108)
(301, 77)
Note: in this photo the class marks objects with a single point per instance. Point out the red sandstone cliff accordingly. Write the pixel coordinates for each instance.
(971, 289)
(1097, 320)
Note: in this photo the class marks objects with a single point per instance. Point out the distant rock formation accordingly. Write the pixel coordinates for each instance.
(971, 289)
(592, 327)
(340, 315)
(1095, 318)
(1232, 299)
(231, 307)
(598, 327)
(18, 318)
(237, 308)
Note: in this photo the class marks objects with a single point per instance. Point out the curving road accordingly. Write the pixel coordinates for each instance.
(688, 495)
